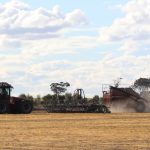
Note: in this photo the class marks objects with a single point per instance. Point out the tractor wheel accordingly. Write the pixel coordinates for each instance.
(3, 108)
(140, 107)
(26, 107)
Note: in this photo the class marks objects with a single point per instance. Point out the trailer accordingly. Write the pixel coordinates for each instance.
(124, 97)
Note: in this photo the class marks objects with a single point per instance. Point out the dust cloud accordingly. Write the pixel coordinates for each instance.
(131, 105)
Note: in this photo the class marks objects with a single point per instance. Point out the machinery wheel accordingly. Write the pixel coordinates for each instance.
(140, 107)
(3, 108)
(26, 107)
(104, 109)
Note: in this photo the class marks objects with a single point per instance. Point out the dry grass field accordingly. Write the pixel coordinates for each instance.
(43, 131)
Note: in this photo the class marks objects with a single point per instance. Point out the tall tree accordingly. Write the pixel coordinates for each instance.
(24, 96)
(142, 84)
(59, 88)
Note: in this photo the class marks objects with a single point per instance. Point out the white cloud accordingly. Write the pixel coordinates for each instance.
(16, 4)
(39, 34)
(130, 46)
(8, 45)
(35, 78)
(17, 20)
(38, 31)
(76, 17)
(26, 35)
(132, 28)
(63, 45)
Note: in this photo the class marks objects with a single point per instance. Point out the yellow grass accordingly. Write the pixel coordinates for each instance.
(43, 131)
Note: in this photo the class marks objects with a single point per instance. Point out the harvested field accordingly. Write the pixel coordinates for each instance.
(43, 131)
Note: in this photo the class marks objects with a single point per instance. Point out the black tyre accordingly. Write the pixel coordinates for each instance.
(104, 109)
(26, 107)
(3, 108)
(140, 107)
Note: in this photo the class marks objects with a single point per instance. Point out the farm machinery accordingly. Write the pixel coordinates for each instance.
(124, 99)
(9, 104)
(76, 103)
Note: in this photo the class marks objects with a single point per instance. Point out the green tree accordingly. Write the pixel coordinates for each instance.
(23, 96)
(37, 101)
(68, 98)
(47, 97)
(59, 88)
(28, 97)
(142, 84)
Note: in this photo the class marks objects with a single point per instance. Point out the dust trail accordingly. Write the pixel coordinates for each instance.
(121, 106)
(130, 105)
(146, 95)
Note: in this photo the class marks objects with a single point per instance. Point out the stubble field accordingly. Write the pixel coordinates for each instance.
(43, 131)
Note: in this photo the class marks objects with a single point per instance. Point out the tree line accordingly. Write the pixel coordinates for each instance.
(141, 85)
(52, 98)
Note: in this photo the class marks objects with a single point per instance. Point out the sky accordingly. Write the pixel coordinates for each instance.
(85, 43)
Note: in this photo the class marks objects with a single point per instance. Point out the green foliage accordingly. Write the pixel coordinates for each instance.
(47, 97)
(59, 88)
(61, 99)
(23, 96)
(96, 99)
(68, 98)
(53, 100)
(78, 100)
(101, 100)
(28, 97)
(142, 84)
(37, 101)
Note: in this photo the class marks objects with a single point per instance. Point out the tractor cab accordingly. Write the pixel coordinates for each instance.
(10, 104)
(5, 90)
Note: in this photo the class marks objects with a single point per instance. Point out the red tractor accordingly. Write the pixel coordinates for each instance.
(10, 104)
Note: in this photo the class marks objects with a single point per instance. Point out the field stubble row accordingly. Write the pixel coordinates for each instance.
(75, 131)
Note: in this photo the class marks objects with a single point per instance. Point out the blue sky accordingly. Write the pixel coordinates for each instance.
(87, 43)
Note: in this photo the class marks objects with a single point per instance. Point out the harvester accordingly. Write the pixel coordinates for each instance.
(10, 104)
